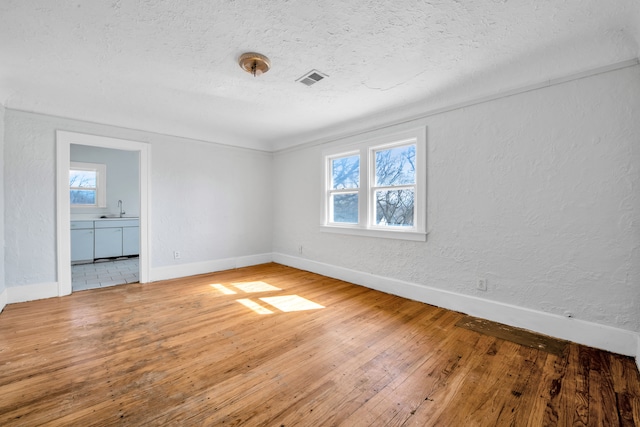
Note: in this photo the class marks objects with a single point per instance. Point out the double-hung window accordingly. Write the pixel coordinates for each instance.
(377, 187)
(87, 185)
(343, 188)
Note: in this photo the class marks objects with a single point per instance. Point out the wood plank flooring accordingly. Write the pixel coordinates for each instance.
(187, 352)
(520, 336)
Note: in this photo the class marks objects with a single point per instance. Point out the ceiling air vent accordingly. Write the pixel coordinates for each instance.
(311, 78)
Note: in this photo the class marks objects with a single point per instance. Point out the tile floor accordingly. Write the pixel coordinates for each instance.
(101, 274)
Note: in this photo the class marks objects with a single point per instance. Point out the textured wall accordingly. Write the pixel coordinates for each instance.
(2, 278)
(194, 204)
(122, 180)
(209, 202)
(538, 193)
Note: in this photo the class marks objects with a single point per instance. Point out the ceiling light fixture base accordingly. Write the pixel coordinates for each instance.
(254, 63)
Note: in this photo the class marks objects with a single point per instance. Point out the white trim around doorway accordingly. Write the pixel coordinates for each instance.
(64, 139)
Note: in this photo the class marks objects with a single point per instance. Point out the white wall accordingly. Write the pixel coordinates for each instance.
(208, 201)
(3, 291)
(122, 180)
(536, 192)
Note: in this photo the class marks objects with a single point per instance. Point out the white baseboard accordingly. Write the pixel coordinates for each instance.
(31, 292)
(192, 269)
(579, 331)
(3, 299)
(638, 353)
(249, 260)
(14, 294)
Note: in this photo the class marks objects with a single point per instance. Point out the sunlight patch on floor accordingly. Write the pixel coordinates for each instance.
(223, 289)
(251, 287)
(289, 303)
(254, 306)
(284, 303)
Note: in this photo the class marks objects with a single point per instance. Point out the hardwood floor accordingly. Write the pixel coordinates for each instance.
(186, 352)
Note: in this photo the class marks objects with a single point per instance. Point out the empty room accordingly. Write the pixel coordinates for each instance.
(334, 213)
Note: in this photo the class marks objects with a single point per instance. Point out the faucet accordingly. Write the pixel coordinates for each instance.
(122, 212)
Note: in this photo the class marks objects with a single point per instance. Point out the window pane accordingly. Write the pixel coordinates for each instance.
(83, 197)
(345, 208)
(396, 166)
(82, 179)
(345, 172)
(394, 207)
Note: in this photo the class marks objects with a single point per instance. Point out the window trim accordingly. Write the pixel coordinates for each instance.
(101, 182)
(366, 224)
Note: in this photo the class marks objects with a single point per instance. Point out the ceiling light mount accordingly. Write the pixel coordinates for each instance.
(254, 63)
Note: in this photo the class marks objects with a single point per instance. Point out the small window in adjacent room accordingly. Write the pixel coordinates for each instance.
(377, 187)
(87, 185)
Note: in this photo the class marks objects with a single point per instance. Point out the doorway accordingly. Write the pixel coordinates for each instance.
(64, 140)
(105, 212)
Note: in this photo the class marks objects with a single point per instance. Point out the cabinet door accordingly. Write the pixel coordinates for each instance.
(82, 245)
(108, 242)
(130, 240)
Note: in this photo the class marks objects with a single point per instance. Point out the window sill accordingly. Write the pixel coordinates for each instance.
(415, 236)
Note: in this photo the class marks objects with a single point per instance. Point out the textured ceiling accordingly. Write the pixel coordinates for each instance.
(170, 66)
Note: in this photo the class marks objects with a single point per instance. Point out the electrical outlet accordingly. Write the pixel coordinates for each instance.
(300, 249)
(481, 285)
(176, 255)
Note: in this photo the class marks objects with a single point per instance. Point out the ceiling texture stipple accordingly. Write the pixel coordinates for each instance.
(171, 66)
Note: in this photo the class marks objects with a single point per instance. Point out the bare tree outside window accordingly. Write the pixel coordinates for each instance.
(395, 185)
(345, 172)
(345, 181)
(83, 187)
(377, 187)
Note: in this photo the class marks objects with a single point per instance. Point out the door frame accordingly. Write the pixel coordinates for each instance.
(64, 139)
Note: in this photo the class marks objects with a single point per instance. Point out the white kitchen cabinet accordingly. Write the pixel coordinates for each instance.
(117, 237)
(108, 242)
(130, 241)
(82, 243)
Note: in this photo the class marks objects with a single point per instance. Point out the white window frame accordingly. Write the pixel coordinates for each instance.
(101, 182)
(366, 201)
(330, 191)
